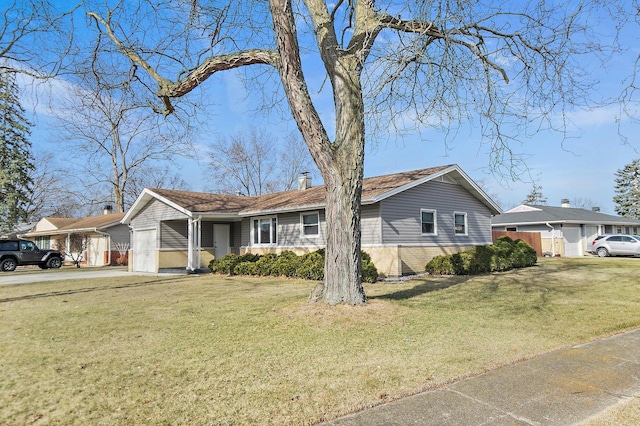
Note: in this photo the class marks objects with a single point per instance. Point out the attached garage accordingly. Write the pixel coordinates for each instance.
(144, 254)
(572, 241)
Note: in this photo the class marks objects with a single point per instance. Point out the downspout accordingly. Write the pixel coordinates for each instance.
(553, 239)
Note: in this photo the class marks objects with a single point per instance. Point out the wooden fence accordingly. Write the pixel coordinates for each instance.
(531, 238)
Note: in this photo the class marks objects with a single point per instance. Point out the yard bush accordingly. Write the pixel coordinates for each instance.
(504, 254)
(440, 265)
(264, 265)
(369, 270)
(225, 264)
(286, 264)
(309, 266)
(524, 255)
(245, 268)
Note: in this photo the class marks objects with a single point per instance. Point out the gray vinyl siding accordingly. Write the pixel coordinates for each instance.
(370, 225)
(245, 233)
(289, 231)
(119, 234)
(154, 212)
(174, 234)
(206, 231)
(400, 216)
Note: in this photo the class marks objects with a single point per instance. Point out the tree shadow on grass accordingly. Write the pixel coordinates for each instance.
(83, 290)
(424, 286)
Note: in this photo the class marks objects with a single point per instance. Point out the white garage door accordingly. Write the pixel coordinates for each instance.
(144, 251)
(572, 241)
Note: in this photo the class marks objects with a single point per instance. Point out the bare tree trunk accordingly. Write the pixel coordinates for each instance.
(343, 281)
(340, 162)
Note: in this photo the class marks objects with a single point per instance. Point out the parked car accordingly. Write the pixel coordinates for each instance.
(616, 245)
(15, 253)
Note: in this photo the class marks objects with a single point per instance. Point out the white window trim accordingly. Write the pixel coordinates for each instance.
(466, 225)
(302, 234)
(252, 237)
(435, 221)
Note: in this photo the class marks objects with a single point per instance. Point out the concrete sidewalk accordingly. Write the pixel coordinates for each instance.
(561, 388)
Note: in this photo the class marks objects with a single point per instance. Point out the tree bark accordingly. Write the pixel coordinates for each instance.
(340, 162)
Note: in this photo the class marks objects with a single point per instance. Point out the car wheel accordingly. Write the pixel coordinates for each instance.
(54, 263)
(8, 265)
(602, 252)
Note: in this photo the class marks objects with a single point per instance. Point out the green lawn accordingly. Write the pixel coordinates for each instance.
(215, 350)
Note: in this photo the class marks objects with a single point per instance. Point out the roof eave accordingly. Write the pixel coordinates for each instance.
(282, 210)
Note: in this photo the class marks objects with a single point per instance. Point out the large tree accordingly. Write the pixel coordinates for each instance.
(35, 37)
(16, 159)
(432, 64)
(256, 163)
(627, 198)
(535, 196)
(118, 141)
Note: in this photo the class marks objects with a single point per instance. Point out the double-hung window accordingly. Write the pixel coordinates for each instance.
(310, 224)
(265, 230)
(428, 222)
(460, 223)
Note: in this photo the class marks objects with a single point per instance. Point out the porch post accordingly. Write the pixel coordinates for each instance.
(190, 245)
(194, 243)
(199, 243)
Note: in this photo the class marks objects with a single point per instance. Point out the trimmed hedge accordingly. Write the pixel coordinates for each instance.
(504, 254)
(309, 266)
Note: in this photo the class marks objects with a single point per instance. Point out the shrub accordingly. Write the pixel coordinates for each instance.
(286, 264)
(264, 265)
(308, 267)
(524, 255)
(440, 265)
(225, 264)
(504, 254)
(476, 260)
(245, 268)
(369, 270)
(311, 266)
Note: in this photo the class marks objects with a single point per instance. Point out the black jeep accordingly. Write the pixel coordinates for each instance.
(15, 253)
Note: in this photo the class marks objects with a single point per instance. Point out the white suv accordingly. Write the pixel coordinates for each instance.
(616, 245)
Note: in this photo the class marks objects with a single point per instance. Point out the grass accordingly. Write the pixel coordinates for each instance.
(236, 351)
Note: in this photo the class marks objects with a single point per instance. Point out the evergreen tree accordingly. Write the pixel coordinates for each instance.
(535, 196)
(627, 187)
(16, 159)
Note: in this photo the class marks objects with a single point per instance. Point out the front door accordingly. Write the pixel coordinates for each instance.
(220, 240)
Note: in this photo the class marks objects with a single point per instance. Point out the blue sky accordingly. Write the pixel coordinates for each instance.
(579, 167)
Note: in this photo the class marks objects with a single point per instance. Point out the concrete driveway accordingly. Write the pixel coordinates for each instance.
(29, 276)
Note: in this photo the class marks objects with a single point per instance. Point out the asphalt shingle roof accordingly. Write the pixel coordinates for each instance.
(372, 187)
(92, 222)
(200, 202)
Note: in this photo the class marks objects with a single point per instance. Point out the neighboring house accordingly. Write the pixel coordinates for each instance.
(407, 219)
(106, 237)
(565, 231)
(19, 229)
